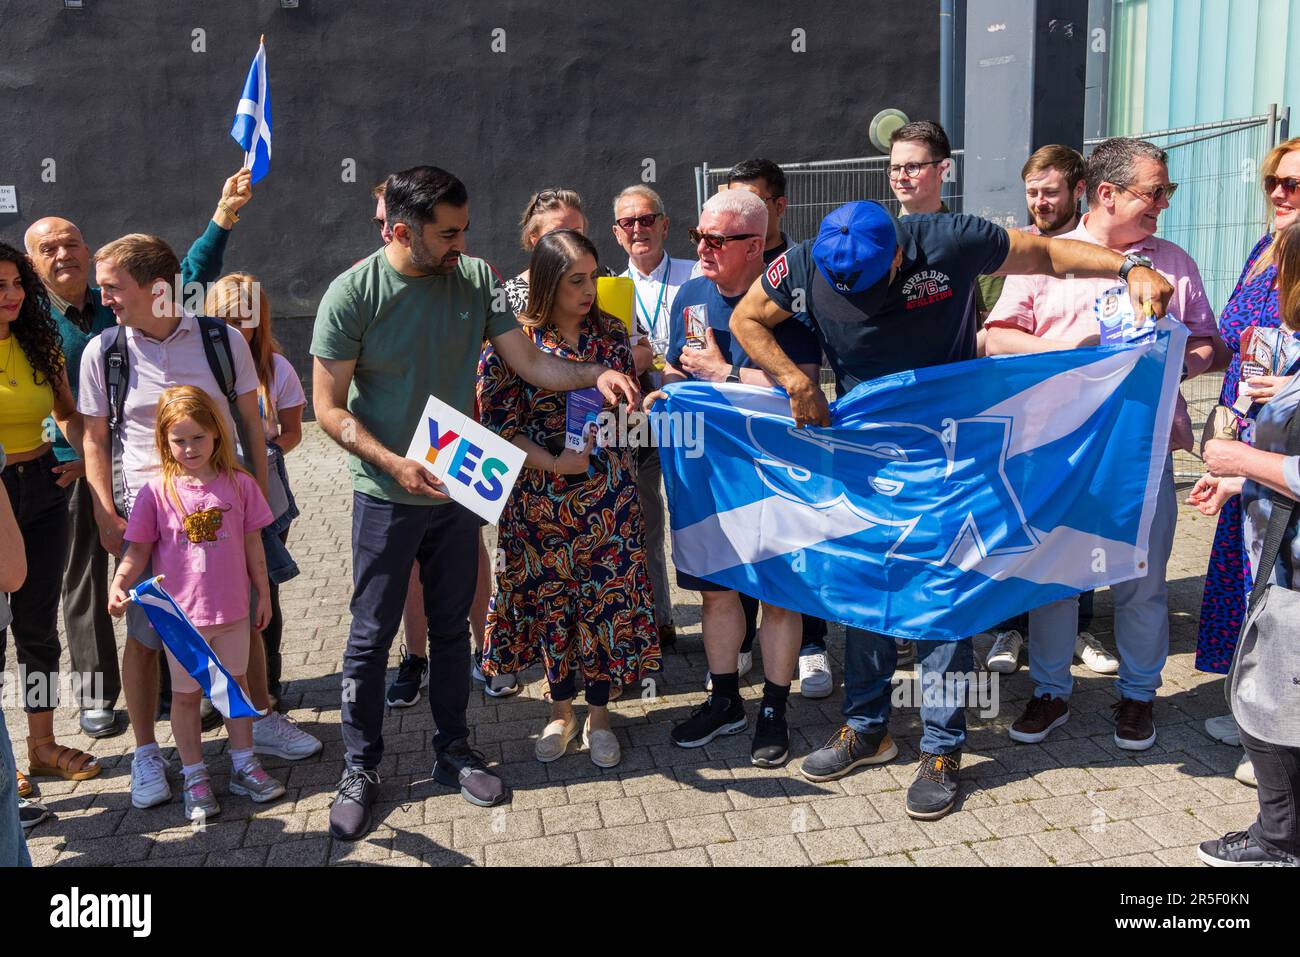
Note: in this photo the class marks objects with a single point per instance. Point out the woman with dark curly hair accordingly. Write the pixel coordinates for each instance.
(34, 395)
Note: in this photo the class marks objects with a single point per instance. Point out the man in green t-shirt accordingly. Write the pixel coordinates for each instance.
(405, 323)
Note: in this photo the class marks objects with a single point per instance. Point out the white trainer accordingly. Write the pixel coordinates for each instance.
(1094, 657)
(278, 735)
(1245, 772)
(1224, 729)
(1004, 656)
(149, 786)
(815, 679)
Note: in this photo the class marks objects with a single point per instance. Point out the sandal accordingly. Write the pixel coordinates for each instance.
(24, 786)
(70, 764)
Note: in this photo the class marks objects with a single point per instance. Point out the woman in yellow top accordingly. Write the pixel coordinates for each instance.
(34, 395)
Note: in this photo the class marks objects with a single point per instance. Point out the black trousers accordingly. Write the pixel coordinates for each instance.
(1277, 769)
(41, 508)
(92, 648)
(273, 633)
(386, 538)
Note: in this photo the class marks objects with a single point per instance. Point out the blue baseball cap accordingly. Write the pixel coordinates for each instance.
(855, 246)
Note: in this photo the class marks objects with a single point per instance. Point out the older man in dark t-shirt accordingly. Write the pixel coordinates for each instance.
(884, 296)
(730, 240)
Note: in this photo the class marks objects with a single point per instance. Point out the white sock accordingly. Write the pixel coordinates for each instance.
(240, 760)
(192, 771)
(144, 750)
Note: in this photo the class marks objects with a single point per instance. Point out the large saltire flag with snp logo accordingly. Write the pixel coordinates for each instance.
(940, 502)
(191, 650)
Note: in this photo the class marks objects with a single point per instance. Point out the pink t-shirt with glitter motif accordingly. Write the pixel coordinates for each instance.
(208, 577)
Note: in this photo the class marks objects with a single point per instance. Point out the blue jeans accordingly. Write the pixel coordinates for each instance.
(869, 663)
(13, 845)
(1141, 618)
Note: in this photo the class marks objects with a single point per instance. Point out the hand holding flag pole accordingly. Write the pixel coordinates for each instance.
(191, 650)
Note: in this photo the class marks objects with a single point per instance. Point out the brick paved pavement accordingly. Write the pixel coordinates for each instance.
(1075, 799)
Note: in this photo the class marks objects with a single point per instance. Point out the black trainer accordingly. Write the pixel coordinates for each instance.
(1239, 849)
(716, 716)
(460, 766)
(934, 791)
(31, 813)
(350, 812)
(209, 716)
(847, 750)
(412, 675)
(771, 738)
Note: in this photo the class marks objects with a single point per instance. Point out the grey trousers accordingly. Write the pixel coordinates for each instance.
(649, 484)
(91, 645)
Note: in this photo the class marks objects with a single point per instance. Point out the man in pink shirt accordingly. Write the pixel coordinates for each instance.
(1128, 187)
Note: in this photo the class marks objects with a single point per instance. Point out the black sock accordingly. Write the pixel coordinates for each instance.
(775, 696)
(727, 686)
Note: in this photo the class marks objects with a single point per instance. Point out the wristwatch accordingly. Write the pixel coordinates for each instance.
(734, 374)
(1131, 260)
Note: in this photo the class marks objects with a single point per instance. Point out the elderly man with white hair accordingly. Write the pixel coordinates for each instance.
(730, 240)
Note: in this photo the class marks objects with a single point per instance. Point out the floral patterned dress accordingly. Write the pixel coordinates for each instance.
(1228, 578)
(575, 589)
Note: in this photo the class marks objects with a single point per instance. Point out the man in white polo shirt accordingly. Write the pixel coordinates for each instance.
(641, 226)
(136, 277)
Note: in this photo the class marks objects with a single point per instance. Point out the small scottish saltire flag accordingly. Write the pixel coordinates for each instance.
(252, 127)
(195, 655)
(940, 502)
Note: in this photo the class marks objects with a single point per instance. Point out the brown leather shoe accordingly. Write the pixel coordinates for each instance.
(1134, 728)
(1040, 717)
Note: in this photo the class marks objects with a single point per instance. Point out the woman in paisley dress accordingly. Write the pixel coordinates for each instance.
(575, 590)
(1254, 302)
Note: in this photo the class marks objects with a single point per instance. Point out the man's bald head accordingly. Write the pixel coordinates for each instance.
(60, 256)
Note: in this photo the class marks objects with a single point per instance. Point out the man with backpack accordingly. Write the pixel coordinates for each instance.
(156, 344)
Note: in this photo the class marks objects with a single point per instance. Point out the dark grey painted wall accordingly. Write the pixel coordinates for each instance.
(137, 123)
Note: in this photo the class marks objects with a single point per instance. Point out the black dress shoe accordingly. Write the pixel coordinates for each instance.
(100, 722)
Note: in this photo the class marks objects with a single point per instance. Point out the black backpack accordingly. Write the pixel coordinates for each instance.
(214, 334)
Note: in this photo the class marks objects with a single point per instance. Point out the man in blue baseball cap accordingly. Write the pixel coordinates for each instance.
(886, 295)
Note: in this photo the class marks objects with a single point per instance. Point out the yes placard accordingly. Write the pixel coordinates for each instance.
(477, 466)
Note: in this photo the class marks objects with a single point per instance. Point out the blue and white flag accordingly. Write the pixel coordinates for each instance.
(940, 502)
(191, 650)
(252, 127)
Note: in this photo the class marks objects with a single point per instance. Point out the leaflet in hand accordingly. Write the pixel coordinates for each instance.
(1270, 352)
(477, 467)
(1118, 321)
(581, 410)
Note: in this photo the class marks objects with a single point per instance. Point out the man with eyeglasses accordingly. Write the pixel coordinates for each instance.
(887, 295)
(730, 240)
(1128, 187)
(919, 158)
(641, 228)
(766, 180)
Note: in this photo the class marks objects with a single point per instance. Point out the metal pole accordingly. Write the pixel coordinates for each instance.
(946, 30)
(1284, 125)
(1272, 125)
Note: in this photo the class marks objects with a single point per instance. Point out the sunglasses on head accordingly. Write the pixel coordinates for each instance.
(1288, 183)
(645, 221)
(716, 240)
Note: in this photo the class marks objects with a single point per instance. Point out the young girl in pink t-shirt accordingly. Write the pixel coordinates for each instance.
(200, 522)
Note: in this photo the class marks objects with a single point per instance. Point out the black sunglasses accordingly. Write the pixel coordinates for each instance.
(645, 221)
(1288, 183)
(716, 240)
